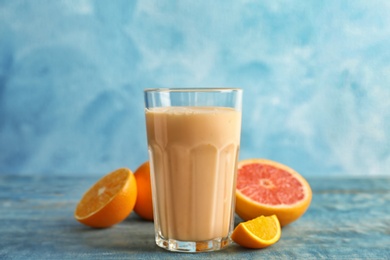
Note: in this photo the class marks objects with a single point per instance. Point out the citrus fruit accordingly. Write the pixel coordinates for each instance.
(265, 187)
(144, 205)
(257, 233)
(109, 201)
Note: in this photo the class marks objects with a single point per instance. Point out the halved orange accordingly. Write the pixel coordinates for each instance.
(109, 201)
(265, 187)
(257, 233)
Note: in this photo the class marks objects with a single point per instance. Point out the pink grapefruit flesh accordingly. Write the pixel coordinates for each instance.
(265, 187)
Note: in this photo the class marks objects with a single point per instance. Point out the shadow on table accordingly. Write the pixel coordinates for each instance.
(133, 236)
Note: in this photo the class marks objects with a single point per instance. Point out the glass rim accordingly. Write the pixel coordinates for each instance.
(227, 89)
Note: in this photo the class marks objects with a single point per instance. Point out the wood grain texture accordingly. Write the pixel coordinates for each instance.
(349, 218)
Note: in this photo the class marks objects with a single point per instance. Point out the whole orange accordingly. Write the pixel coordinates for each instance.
(144, 205)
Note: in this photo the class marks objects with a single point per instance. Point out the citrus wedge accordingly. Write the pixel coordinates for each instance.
(257, 233)
(265, 187)
(109, 201)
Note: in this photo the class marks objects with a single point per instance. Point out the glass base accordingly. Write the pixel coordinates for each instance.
(193, 247)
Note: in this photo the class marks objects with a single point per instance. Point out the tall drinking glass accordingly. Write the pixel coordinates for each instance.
(193, 144)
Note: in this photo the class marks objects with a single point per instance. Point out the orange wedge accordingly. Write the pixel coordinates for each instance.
(108, 201)
(258, 233)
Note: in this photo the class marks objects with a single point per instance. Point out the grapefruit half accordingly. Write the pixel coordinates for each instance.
(265, 187)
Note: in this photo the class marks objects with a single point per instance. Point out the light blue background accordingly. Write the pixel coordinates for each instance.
(316, 78)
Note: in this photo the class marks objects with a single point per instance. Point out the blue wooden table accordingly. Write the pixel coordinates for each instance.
(349, 218)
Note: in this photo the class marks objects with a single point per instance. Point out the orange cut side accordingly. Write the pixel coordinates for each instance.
(265, 187)
(109, 201)
(258, 233)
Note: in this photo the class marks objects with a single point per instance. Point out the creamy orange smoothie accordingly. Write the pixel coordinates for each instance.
(193, 152)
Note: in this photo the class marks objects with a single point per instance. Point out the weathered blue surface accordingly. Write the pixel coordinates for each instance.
(349, 218)
(315, 76)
